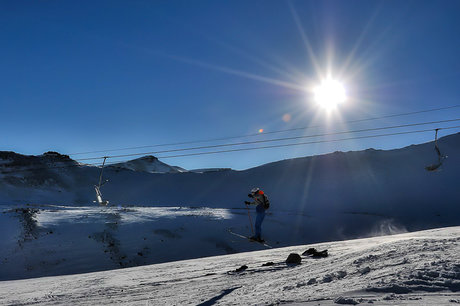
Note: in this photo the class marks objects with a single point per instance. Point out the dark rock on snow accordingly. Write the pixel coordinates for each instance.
(242, 268)
(293, 258)
(314, 253)
(345, 301)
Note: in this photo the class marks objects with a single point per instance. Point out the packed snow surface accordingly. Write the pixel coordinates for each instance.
(47, 240)
(419, 268)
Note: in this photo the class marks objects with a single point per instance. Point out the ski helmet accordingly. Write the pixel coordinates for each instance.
(254, 190)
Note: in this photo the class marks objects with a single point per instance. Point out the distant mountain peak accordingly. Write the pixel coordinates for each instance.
(48, 159)
(148, 163)
(149, 158)
(56, 155)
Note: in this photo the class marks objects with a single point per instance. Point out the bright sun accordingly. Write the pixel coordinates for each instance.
(329, 94)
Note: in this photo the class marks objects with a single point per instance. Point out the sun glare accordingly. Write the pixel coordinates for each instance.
(329, 94)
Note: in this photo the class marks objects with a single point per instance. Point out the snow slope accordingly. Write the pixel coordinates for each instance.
(55, 240)
(420, 268)
(393, 184)
(321, 198)
(375, 181)
(149, 164)
(370, 181)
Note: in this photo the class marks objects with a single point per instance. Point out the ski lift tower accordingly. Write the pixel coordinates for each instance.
(97, 188)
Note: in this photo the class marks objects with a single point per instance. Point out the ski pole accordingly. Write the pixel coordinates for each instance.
(250, 220)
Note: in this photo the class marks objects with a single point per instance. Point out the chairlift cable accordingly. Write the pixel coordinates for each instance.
(265, 133)
(235, 150)
(271, 140)
(303, 143)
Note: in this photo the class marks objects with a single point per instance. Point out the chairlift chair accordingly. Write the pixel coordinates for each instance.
(435, 167)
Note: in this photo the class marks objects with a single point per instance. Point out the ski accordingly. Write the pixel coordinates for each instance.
(246, 237)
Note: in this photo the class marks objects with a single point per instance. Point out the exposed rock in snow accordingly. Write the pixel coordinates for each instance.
(365, 270)
(294, 258)
(314, 253)
(345, 301)
(241, 269)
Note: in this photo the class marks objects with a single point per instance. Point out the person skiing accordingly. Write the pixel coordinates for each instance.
(262, 202)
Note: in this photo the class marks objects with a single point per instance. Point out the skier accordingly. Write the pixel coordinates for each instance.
(262, 202)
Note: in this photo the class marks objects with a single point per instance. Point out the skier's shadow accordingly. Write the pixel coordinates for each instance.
(216, 298)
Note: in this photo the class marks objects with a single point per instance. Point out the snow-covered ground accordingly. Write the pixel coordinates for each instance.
(420, 268)
(45, 240)
(50, 227)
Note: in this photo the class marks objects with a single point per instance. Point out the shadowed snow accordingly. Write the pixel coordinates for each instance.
(420, 268)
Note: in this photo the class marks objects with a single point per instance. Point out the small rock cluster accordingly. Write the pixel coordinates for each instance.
(292, 259)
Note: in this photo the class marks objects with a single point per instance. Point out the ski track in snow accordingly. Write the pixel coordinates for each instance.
(420, 268)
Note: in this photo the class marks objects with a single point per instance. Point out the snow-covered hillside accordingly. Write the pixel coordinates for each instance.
(50, 225)
(55, 240)
(363, 181)
(391, 183)
(149, 164)
(420, 268)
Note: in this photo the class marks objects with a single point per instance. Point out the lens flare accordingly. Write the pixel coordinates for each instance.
(261, 130)
(286, 117)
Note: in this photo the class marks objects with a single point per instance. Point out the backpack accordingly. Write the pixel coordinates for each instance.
(266, 202)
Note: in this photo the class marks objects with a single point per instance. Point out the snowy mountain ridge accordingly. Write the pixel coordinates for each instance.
(149, 164)
(358, 178)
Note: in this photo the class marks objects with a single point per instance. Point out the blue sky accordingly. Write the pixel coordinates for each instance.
(82, 76)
